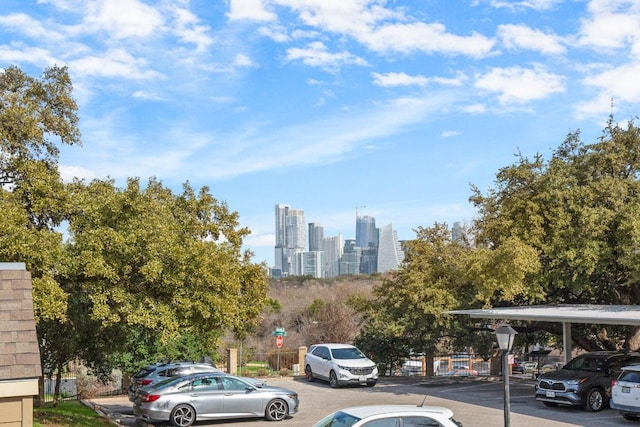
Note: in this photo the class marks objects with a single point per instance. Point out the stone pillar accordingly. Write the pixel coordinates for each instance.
(302, 351)
(232, 360)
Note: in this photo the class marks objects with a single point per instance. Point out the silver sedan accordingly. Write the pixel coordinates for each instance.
(212, 396)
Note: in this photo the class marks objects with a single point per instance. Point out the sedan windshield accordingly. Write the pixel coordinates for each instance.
(337, 419)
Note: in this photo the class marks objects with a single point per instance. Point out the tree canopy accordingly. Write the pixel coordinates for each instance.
(118, 273)
(563, 230)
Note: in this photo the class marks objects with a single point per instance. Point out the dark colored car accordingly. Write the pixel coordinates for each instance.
(585, 381)
(518, 366)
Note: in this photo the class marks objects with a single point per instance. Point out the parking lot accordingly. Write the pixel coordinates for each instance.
(475, 402)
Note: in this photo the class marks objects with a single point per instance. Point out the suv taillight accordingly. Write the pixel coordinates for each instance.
(614, 382)
(144, 382)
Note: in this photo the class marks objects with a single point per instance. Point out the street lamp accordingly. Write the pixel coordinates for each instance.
(505, 335)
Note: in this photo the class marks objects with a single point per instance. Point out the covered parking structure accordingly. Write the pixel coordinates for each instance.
(565, 314)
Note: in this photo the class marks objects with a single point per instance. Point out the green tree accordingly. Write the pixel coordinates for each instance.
(169, 265)
(439, 275)
(579, 213)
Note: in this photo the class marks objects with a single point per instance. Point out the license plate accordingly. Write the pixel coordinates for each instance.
(362, 379)
(626, 389)
(551, 394)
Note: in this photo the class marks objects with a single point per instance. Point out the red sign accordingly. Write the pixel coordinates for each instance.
(279, 341)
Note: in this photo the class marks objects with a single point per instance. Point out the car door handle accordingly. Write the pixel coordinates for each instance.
(195, 395)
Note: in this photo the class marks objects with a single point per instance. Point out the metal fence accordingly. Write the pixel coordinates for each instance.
(76, 385)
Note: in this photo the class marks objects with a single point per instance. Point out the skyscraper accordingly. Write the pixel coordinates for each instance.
(316, 234)
(281, 240)
(332, 248)
(390, 253)
(366, 232)
(290, 237)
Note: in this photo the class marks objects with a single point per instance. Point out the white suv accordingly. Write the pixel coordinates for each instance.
(340, 364)
(625, 392)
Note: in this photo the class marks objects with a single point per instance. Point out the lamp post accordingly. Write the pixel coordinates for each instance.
(505, 335)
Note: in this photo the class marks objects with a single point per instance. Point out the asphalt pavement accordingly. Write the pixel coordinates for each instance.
(476, 402)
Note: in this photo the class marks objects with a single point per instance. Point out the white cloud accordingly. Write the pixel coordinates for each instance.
(243, 61)
(114, 63)
(398, 79)
(122, 18)
(525, 4)
(525, 37)
(612, 24)
(252, 10)
(19, 53)
(68, 173)
(316, 54)
(24, 24)
(517, 85)
(474, 108)
(190, 30)
(426, 38)
(450, 133)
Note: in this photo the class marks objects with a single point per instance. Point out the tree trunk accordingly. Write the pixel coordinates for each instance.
(56, 391)
(633, 339)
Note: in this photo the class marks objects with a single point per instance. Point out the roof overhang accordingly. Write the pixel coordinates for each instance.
(570, 313)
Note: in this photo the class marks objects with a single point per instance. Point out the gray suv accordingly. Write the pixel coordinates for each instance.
(585, 381)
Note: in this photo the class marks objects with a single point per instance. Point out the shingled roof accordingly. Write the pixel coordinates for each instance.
(19, 352)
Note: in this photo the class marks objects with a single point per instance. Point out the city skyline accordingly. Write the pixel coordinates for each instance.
(398, 106)
(373, 250)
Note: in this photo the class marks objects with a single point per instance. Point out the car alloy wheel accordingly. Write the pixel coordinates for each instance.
(276, 410)
(333, 379)
(309, 373)
(182, 416)
(595, 400)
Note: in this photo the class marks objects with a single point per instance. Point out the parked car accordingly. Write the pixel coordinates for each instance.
(518, 366)
(390, 416)
(157, 372)
(340, 364)
(461, 373)
(211, 396)
(584, 381)
(625, 392)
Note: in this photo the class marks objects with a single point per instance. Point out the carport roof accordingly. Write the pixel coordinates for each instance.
(570, 313)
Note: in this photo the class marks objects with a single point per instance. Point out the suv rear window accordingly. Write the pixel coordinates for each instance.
(144, 372)
(630, 376)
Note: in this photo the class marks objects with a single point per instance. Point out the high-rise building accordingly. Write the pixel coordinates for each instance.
(390, 253)
(367, 240)
(458, 231)
(332, 248)
(366, 232)
(309, 264)
(316, 234)
(290, 237)
(350, 259)
(281, 239)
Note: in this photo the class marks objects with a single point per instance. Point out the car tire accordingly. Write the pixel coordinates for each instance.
(595, 400)
(182, 416)
(371, 383)
(550, 404)
(333, 380)
(276, 410)
(308, 373)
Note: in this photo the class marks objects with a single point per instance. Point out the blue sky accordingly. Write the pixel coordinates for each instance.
(394, 106)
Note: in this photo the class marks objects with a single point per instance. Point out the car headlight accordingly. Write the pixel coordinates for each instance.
(576, 382)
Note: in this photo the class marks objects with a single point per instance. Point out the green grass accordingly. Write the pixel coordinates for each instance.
(68, 414)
